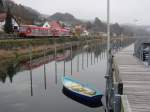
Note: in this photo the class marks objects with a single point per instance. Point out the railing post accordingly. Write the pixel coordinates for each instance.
(149, 58)
(117, 103)
(120, 88)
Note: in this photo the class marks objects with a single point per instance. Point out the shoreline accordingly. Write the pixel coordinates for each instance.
(21, 54)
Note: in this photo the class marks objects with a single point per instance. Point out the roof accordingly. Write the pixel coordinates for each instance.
(2, 17)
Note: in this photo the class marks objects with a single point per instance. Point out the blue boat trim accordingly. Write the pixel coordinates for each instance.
(67, 78)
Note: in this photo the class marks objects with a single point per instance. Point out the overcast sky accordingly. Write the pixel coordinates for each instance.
(122, 11)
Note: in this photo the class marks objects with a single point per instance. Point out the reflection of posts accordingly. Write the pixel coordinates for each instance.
(45, 69)
(94, 53)
(82, 59)
(87, 58)
(45, 77)
(64, 61)
(71, 57)
(55, 63)
(91, 55)
(78, 58)
(31, 82)
(31, 70)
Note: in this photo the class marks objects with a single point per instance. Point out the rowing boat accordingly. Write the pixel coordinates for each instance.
(81, 91)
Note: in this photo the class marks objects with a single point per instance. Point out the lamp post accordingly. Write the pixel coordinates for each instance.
(108, 28)
(108, 72)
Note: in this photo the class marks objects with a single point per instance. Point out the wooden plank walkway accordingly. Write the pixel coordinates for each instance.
(136, 80)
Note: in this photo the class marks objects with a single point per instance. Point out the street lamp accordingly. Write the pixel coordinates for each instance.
(108, 72)
(108, 28)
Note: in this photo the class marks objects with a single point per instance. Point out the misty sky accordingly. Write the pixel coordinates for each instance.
(122, 11)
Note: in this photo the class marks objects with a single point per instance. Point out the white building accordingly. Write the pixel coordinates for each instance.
(85, 33)
(46, 25)
(2, 22)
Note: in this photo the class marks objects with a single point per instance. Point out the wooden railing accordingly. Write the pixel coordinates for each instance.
(125, 107)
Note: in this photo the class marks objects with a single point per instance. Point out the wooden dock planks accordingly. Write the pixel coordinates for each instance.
(136, 79)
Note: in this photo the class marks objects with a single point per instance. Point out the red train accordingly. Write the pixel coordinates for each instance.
(35, 31)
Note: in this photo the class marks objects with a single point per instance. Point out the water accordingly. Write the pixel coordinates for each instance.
(40, 89)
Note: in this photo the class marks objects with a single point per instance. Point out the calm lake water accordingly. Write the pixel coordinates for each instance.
(40, 89)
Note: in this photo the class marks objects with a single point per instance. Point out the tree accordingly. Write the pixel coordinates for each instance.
(8, 27)
(1, 6)
(88, 25)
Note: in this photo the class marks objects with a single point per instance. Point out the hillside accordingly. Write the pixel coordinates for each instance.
(23, 14)
(65, 17)
(27, 15)
(96, 26)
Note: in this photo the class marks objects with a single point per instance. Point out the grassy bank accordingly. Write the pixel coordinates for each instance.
(17, 51)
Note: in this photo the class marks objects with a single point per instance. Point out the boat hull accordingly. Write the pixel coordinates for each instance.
(94, 101)
(91, 100)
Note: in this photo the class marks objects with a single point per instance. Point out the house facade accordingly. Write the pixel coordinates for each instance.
(2, 22)
(46, 25)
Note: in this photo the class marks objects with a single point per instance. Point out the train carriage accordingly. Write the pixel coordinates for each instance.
(35, 31)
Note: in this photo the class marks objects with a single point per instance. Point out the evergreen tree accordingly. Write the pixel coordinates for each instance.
(8, 27)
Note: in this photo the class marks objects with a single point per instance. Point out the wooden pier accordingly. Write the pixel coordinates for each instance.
(131, 80)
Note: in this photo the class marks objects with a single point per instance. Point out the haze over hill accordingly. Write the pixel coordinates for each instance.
(27, 15)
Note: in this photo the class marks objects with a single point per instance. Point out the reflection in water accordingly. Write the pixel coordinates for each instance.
(64, 61)
(30, 54)
(45, 77)
(82, 59)
(71, 57)
(87, 58)
(9, 70)
(78, 59)
(98, 51)
(31, 85)
(45, 68)
(22, 84)
(55, 65)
